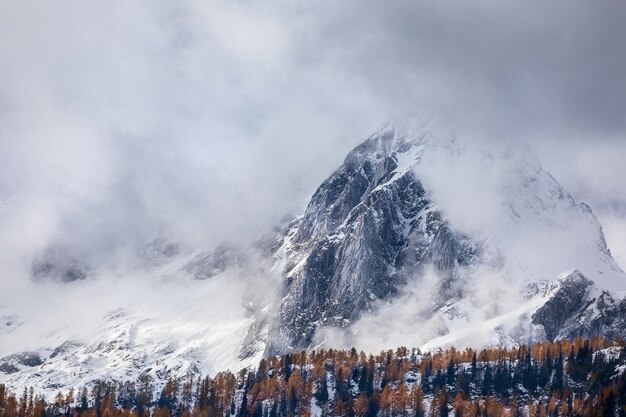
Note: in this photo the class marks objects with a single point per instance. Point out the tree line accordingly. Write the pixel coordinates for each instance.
(579, 377)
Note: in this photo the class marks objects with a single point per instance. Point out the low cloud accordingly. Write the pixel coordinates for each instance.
(206, 122)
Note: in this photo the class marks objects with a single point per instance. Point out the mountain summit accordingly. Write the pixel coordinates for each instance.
(411, 214)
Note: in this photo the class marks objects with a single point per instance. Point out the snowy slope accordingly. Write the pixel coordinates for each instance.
(121, 329)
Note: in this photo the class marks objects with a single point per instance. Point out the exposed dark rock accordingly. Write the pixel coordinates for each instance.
(11, 364)
(55, 264)
(367, 226)
(64, 348)
(158, 251)
(208, 264)
(568, 299)
(8, 368)
(578, 308)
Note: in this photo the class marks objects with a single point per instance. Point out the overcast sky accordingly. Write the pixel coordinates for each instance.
(207, 120)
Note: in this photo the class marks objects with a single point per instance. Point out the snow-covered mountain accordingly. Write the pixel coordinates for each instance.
(418, 235)
(417, 239)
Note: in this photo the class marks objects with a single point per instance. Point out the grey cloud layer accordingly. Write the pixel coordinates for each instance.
(210, 120)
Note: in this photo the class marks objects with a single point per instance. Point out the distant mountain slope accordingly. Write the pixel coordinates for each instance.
(567, 378)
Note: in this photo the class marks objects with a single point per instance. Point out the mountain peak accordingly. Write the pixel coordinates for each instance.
(410, 200)
(391, 137)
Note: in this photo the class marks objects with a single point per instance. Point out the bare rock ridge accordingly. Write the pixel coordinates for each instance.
(576, 307)
(367, 227)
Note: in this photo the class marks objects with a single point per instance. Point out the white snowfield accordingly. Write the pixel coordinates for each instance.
(161, 322)
(119, 329)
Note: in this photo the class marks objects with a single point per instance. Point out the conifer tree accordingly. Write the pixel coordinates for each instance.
(451, 373)
(487, 380)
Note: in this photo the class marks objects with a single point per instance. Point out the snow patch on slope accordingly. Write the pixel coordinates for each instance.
(119, 329)
(503, 197)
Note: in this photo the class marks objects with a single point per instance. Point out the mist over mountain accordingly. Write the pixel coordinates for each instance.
(450, 229)
(210, 121)
(419, 238)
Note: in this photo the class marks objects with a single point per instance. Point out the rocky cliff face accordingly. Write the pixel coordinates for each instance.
(567, 297)
(367, 227)
(576, 307)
